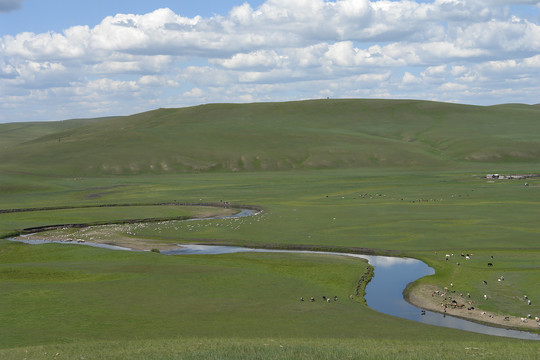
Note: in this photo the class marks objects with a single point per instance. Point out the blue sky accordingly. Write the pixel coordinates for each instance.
(57, 15)
(64, 59)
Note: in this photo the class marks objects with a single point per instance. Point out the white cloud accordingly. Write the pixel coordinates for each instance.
(284, 49)
(409, 78)
(153, 80)
(435, 71)
(261, 59)
(452, 87)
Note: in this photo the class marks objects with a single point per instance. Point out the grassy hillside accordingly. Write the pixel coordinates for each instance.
(17, 133)
(392, 176)
(314, 134)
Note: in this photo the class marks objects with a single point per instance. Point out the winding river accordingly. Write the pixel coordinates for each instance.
(384, 293)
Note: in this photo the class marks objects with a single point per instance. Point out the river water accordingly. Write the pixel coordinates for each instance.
(384, 293)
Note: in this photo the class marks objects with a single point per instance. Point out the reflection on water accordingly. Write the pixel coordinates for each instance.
(388, 261)
(384, 292)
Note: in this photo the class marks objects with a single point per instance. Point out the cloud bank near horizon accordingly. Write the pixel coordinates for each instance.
(447, 50)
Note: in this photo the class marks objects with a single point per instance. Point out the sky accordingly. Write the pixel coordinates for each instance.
(63, 59)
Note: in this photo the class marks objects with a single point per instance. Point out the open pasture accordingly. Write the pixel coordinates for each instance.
(420, 194)
(509, 284)
(92, 216)
(385, 210)
(72, 293)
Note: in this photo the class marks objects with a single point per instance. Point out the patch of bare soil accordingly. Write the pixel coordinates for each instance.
(432, 298)
(122, 241)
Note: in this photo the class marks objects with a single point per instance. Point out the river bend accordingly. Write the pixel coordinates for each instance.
(384, 293)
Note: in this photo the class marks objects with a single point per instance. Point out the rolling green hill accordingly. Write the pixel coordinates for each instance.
(405, 179)
(314, 134)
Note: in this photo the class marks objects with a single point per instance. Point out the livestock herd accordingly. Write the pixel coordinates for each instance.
(324, 298)
(450, 297)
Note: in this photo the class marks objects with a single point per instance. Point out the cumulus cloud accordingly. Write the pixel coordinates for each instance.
(10, 5)
(261, 59)
(282, 50)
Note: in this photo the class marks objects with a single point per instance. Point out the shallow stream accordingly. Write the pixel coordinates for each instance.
(384, 293)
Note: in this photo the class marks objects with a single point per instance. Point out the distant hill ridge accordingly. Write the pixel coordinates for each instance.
(313, 134)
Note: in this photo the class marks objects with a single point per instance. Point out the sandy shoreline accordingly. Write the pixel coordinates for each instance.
(425, 297)
(138, 244)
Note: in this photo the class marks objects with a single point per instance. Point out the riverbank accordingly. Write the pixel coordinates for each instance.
(387, 299)
(129, 243)
(426, 297)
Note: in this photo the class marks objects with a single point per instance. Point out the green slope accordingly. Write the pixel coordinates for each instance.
(277, 136)
(20, 132)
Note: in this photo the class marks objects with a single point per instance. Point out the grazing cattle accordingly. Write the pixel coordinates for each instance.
(312, 299)
(301, 299)
(507, 318)
(485, 297)
(335, 298)
(324, 297)
(524, 320)
(525, 297)
(328, 300)
(490, 264)
(470, 308)
(528, 302)
(485, 282)
(537, 319)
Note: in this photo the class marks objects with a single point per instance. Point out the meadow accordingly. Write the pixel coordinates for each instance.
(73, 301)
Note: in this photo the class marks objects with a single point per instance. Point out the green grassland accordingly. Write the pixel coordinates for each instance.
(394, 177)
(268, 136)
